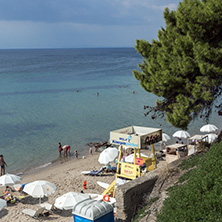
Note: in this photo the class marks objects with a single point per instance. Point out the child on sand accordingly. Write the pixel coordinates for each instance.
(76, 154)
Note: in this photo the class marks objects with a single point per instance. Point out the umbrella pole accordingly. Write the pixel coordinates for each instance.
(154, 157)
(39, 200)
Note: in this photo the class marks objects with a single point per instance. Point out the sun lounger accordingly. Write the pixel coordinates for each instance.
(114, 169)
(94, 172)
(34, 213)
(47, 206)
(19, 187)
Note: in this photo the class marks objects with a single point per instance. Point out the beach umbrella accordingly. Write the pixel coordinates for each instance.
(3, 203)
(130, 158)
(181, 134)
(211, 137)
(125, 147)
(209, 128)
(68, 200)
(108, 155)
(165, 137)
(9, 179)
(39, 189)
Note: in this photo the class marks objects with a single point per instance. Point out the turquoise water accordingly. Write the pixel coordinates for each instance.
(40, 105)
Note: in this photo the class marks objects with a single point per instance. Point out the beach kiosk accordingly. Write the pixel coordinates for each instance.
(175, 151)
(137, 137)
(93, 211)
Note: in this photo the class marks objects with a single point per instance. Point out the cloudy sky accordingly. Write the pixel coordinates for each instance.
(80, 23)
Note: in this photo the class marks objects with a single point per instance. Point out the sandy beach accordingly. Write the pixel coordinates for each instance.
(67, 177)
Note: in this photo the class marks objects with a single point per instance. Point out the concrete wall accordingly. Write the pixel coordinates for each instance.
(130, 195)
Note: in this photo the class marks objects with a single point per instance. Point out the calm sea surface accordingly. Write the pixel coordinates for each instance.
(40, 105)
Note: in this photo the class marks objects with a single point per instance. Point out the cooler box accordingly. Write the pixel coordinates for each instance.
(92, 210)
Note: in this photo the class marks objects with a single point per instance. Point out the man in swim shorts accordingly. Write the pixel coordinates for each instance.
(66, 150)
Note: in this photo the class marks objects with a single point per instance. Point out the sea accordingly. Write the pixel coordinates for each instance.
(72, 96)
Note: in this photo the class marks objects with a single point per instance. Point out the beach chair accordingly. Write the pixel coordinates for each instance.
(94, 172)
(114, 169)
(34, 213)
(47, 206)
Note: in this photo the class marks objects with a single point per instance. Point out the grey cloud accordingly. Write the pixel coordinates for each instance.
(103, 12)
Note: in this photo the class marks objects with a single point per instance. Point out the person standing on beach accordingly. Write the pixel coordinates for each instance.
(66, 150)
(90, 150)
(60, 148)
(2, 164)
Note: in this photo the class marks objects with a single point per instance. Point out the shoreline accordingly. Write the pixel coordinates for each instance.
(44, 166)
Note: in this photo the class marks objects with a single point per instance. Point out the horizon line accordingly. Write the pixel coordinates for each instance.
(105, 47)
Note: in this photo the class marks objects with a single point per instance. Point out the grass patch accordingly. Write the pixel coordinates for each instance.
(200, 198)
(186, 175)
(192, 162)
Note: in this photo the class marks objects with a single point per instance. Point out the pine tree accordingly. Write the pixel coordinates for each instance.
(184, 66)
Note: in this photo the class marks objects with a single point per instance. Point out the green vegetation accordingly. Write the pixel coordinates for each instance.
(183, 67)
(191, 162)
(200, 197)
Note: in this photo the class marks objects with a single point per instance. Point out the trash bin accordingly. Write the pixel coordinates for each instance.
(93, 211)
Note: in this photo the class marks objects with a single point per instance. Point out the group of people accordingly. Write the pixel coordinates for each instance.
(66, 150)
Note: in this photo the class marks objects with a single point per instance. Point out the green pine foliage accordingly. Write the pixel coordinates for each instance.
(183, 67)
(200, 198)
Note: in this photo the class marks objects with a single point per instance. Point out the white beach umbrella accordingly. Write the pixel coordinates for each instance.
(181, 134)
(39, 189)
(9, 179)
(209, 128)
(108, 155)
(130, 158)
(3, 203)
(68, 200)
(211, 137)
(165, 137)
(125, 147)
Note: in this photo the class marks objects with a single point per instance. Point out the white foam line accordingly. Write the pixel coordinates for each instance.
(45, 165)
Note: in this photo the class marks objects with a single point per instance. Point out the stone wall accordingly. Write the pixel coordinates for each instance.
(130, 195)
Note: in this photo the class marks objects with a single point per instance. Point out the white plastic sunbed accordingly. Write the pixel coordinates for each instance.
(34, 213)
(47, 206)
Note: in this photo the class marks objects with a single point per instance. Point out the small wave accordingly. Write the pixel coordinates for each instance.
(44, 165)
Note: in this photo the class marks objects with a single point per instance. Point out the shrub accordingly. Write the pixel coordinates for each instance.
(200, 198)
